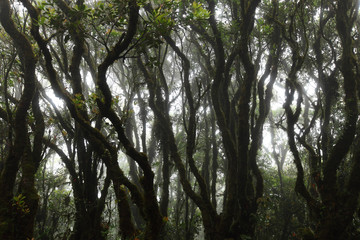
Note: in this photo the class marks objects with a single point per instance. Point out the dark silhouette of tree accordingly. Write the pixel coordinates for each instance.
(159, 110)
(333, 197)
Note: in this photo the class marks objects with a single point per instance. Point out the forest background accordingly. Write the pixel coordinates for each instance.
(168, 119)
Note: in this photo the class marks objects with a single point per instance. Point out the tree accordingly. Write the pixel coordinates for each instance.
(20, 153)
(239, 124)
(146, 199)
(159, 110)
(335, 153)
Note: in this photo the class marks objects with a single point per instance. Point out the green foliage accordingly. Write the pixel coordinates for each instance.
(56, 206)
(51, 16)
(161, 18)
(177, 231)
(78, 101)
(103, 14)
(20, 205)
(92, 103)
(159, 22)
(198, 12)
(265, 28)
(281, 212)
(245, 237)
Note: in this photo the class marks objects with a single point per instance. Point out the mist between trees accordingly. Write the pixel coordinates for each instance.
(172, 119)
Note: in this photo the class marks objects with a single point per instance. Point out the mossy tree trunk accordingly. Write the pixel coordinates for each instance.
(333, 198)
(19, 130)
(144, 198)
